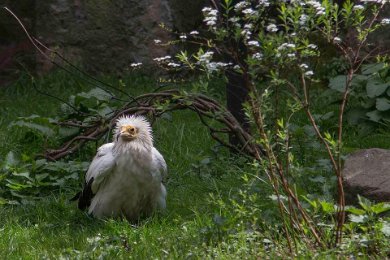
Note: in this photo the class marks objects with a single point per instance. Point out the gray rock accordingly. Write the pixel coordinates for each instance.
(367, 173)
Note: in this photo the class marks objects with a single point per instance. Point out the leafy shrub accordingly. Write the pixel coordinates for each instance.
(370, 94)
(23, 180)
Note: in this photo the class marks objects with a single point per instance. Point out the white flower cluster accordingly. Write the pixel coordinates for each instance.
(240, 6)
(254, 43)
(166, 61)
(304, 67)
(286, 46)
(246, 32)
(257, 56)
(206, 57)
(136, 65)
(249, 12)
(272, 28)
(309, 73)
(210, 16)
(358, 7)
(320, 10)
(375, 1)
(215, 66)
(337, 40)
(194, 33)
(211, 66)
(162, 59)
(385, 21)
(263, 3)
(303, 19)
(157, 41)
(183, 37)
(173, 64)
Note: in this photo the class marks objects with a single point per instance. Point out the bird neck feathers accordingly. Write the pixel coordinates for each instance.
(136, 146)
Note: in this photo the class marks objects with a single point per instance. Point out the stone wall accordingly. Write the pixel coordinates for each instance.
(102, 36)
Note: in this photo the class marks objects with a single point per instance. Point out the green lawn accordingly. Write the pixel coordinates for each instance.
(201, 220)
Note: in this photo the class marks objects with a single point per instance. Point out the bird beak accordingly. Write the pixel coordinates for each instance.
(128, 133)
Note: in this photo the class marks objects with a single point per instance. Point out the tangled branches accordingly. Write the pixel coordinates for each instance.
(156, 104)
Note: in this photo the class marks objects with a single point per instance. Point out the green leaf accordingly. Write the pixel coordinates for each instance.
(40, 177)
(357, 219)
(97, 93)
(10, 161)
(364, 203)
(355, 115)
(23, 174)
(355, 211)
(375, 88)
(380, 207)
(3, 201)
(338, 83)
(369, 69)
(327, 207)
(386, 229)
(359, 80)
(66, 132)
(382, 104)
(104, 111)
(205, 161)
(40, 128)
(374, 116)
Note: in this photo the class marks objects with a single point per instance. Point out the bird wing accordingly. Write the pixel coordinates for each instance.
(101, 166)
(159, 164)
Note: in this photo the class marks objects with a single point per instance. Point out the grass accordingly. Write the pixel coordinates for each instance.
(54, 226)
(204, 183)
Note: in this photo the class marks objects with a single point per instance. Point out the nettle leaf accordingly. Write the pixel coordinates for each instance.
(354, 115)
(355, 211)
(380, 207)
(10, 161)
(382, 104)
(43, 125)
(338, 83)
(3, 201)
(327, 115)
(369, 69)
(97, 93)
(376, 88)
(357, 218)
(374, 116)
(104, 111)
(40, 128)
(23, 174)
(359, 80)
(205, 161)
(386, 229)
(66, 132)
(364, 203)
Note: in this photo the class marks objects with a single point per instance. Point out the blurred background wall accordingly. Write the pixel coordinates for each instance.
(101, 36)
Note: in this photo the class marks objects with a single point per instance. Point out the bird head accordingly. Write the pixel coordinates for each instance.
(133, 129)
(128, 132)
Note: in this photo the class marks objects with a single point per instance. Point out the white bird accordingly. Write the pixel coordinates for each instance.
(125, 177)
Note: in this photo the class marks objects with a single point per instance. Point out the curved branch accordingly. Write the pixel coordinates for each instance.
(148, 104)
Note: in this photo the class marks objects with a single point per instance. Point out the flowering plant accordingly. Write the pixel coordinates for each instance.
(276, 47)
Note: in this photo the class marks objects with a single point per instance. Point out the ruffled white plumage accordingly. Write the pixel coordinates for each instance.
(126, 177)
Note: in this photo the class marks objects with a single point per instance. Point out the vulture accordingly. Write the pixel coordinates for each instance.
(125, 178)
